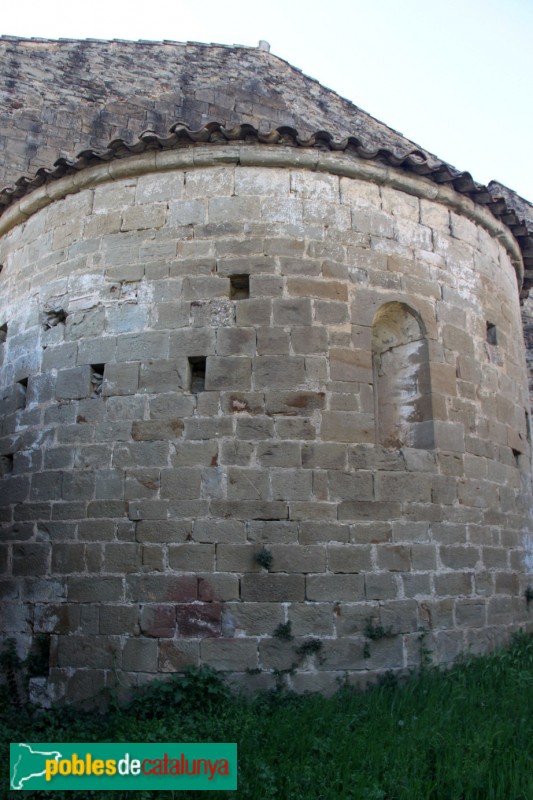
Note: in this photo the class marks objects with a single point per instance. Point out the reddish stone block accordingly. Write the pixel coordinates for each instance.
(199, 619)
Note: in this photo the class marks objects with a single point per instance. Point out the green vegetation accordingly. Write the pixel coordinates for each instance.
(464, 734)
(264, 558)
(283, 631)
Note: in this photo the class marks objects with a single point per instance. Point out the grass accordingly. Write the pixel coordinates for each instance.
(464, 734)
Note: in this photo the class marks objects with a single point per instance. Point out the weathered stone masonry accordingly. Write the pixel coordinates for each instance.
(249, 380)
(196, 345)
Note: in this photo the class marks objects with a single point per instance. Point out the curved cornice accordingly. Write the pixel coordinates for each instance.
(213, 144)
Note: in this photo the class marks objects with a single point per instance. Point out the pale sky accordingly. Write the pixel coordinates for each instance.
(453, 76)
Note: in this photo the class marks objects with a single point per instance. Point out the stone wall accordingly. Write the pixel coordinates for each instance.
(191, 446)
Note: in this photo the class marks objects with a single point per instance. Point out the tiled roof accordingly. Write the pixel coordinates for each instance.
(497, 199)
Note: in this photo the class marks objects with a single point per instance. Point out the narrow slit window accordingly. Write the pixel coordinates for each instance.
(516, 456)
(239, 287)
(97, 379)
(197, 366)
(3, 333)
(492, 334)
(23, 391)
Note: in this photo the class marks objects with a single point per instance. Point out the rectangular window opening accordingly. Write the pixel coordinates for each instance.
(492, 333)
(3, 333)
(197, 366)
(516, 456)
(6, 464)
(239, 287)
(97, 379)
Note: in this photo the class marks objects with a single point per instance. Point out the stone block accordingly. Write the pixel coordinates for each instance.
(424, 556)
(73, 384)
(158, 620)
(416, 584)
(312, 532)
(368, 510)
(282, 372)
(191, 557)
(200, 620)
(350, 485)
(309, 340)
(345, 426)
(272, 341)
(291, 484)
(142, 346)
(44, 486)
(457, 557)
(279, 454)
(161, 588)
(335, 588)
(253, 312)
(272, 531)
(301, 403)
(228, 373)
(248, 484)
(163, 530)
(234, 209)
(237, 558)
(214, 531)
(272, 588)
(236, 341)
(94, 589)
(68, 557)
(403, 487)
(257, 427)
(395, 558)
(453, 583)
(169, 404)
(294, 312)
(168, 375)
(229, 655)
(181, 483)
(295, 558)
(349, 558)
(178, 655)
(121, 557)
(158, 429)
(118, 619)
(381, 586)
(140, 655)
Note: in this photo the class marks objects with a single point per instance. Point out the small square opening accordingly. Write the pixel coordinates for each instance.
(56, 317)
(6, 464)
(97, 379)
(239, 287)
(492, 333)
(197, 366)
